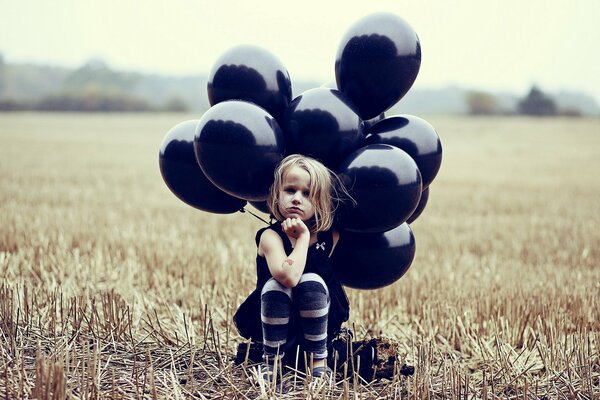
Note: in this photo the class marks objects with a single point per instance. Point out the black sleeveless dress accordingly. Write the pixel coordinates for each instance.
(247, 317)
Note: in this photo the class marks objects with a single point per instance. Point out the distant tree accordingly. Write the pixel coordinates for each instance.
(12, 105)
(176, 104)
(570, 112)
(482, 103)
(537, 103)
(96, 73)
(92, 101)
(95, 87)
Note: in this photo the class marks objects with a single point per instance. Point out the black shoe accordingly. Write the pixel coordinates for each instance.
(267, 372)
(323, 372)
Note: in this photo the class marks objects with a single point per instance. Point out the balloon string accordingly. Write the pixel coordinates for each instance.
(243, 210)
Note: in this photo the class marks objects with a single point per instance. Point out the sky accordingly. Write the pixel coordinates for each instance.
(486, 45)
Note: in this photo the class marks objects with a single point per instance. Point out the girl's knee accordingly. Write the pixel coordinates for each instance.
(272, 285)
(312, 277)
(311, 282)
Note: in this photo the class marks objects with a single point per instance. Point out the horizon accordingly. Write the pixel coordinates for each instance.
(449, 86)
(485, 47)
(203, 74)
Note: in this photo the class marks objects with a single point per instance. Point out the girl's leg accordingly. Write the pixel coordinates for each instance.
(275, 312)
(312, 297)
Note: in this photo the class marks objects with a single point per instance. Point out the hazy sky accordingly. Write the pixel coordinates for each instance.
(495, 45)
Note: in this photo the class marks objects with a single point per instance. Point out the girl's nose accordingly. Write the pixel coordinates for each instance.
(297, 197)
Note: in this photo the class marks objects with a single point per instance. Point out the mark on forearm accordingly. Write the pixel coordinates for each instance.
(288, 261)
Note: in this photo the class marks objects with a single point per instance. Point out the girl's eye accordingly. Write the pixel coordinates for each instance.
(305, 193)
(288, 190)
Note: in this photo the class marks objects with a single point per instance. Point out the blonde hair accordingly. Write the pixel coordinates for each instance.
(322, 194)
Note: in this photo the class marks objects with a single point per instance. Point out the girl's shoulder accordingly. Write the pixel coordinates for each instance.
(273, 227)
(272, 236)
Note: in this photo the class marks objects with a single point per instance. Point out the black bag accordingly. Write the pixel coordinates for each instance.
(247, 318)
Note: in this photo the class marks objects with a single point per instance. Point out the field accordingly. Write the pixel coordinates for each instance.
(113, 288)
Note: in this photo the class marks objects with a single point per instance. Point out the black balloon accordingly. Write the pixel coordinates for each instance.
(386, 185)
(377, 62)
(183, 175)
(420, 206)
(415, 136)
(322, 123)
(238, 146)
(253, 74)
(373, 260)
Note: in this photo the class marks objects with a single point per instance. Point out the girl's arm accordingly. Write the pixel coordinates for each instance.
(286, 269)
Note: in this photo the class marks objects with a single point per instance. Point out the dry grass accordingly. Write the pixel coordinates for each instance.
(113, 288)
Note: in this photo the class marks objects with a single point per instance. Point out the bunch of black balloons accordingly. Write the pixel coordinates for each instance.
(227, 158)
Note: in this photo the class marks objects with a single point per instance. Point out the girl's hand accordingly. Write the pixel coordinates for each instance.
(295, 228)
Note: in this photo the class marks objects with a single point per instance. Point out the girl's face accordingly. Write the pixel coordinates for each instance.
(294, 195)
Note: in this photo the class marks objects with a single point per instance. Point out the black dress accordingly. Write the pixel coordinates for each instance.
(247, 317)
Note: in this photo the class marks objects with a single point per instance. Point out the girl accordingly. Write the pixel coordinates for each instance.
(297, 300)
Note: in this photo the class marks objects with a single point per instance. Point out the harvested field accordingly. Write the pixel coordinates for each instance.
(113, 288)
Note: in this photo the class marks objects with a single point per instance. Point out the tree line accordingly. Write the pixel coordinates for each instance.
(96, 87)
(90, 88)
(535, 103)
(92, 101)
